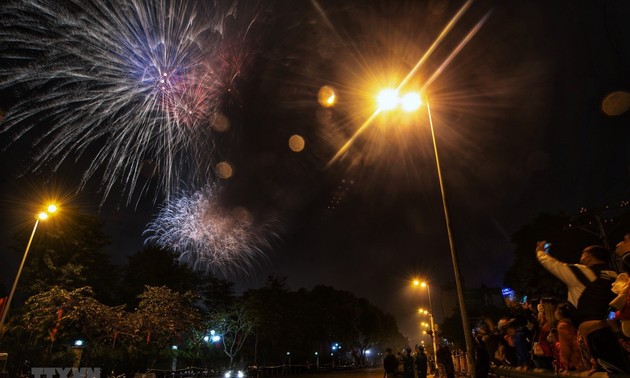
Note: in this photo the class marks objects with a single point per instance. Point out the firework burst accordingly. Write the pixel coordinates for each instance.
(133, 85)
(207, 235)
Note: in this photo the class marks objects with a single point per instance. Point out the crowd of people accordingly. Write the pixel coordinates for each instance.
(583, 332)
(417, 364)
(586, 331)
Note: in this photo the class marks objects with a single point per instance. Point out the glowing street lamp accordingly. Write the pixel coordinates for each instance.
(423, 284)
(42, 216)
(413, 103)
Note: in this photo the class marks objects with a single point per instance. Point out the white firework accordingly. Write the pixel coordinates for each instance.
(207, 235)
(131, 86)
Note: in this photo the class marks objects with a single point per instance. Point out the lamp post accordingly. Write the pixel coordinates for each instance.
(458, 282)
(390, 99)
(40, 217)
(434, 338)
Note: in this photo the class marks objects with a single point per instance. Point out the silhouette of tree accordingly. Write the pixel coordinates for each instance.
(68, 252)
(154, 266)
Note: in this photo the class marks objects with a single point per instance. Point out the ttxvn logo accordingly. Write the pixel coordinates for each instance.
(49, 372)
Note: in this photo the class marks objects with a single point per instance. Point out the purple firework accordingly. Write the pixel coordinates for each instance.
(133, 85)
(207, 235)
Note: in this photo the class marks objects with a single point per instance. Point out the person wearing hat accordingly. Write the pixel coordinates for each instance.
(421, 362)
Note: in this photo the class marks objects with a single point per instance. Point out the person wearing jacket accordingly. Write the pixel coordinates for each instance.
(589, 294)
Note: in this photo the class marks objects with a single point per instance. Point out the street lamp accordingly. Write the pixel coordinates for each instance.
(433, 332)
(412, 106)
(50, 209)
(430, 313)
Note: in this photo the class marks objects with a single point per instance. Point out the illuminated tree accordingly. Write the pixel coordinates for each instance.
(234, 325)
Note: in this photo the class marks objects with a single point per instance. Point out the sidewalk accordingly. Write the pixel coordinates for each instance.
(510, 372)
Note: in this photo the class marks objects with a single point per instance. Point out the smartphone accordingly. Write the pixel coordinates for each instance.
(611, 315)
(547, 246)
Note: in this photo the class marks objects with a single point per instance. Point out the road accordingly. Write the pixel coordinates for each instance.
(359, 373)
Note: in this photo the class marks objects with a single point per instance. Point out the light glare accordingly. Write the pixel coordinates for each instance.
(411, 102)
(387, 99)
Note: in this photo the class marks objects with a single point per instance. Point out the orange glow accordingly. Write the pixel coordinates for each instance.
(326, 96)
(224, 170)
(616, 103)
(296, 143)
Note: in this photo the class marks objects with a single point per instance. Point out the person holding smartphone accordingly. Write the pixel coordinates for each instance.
(589, 284)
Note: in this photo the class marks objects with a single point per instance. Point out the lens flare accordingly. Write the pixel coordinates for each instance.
(387, 99)
(296, 143)
(224, 170)
(326, 96)
(209, 236)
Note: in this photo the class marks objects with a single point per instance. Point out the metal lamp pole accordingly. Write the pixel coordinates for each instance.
(40, 217)
(458, 283)
(432, 323)
(17, 278)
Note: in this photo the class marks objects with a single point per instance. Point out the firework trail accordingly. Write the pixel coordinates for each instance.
(132, 86)
(206, 235)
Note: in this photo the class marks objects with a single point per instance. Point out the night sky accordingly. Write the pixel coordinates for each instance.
(520, 125)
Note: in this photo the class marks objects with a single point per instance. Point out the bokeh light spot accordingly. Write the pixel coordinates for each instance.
(224, 170)
(616, 103)
(296, 143)
(221, 123)
(326, 96)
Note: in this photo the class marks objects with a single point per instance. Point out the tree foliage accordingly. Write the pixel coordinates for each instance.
(304, 322)
(68, 254)
(234, 325)
(154, 266)
(54, 319)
